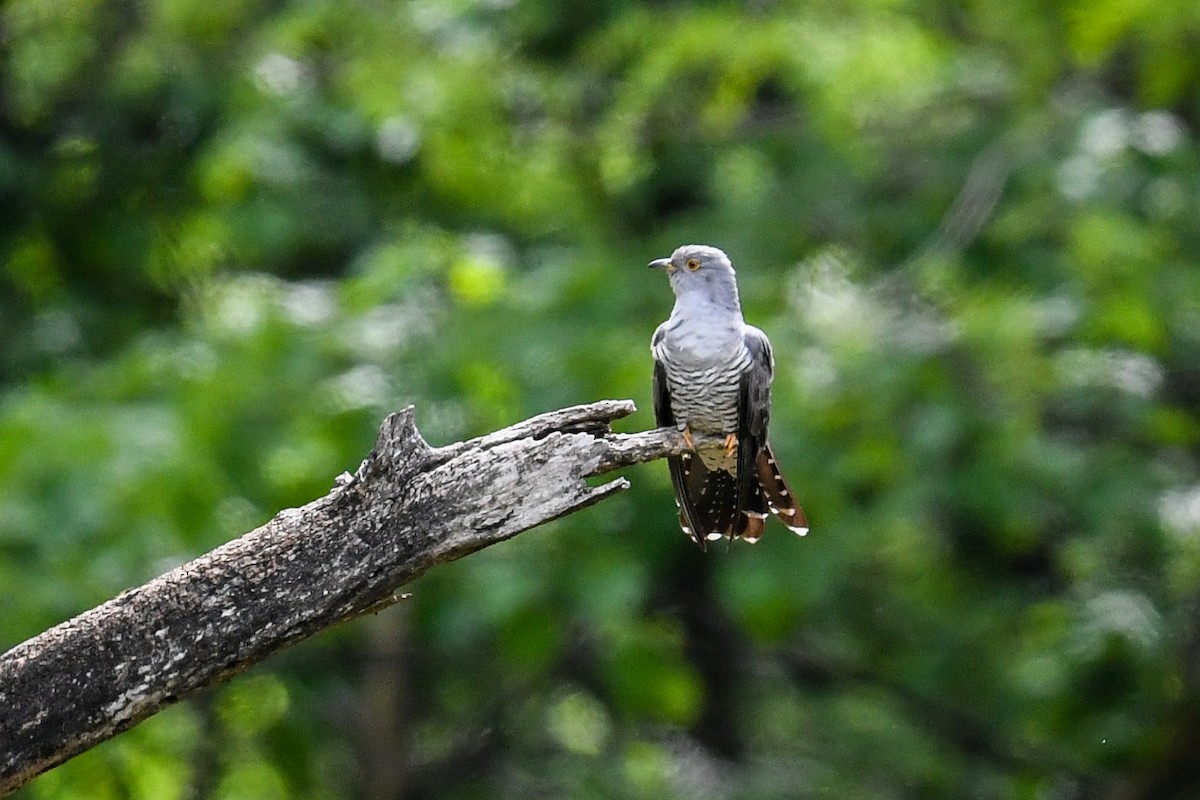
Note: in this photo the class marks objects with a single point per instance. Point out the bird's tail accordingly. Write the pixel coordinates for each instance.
(709, 506)
(779, 496)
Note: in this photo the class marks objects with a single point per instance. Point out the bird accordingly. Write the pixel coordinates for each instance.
(712, 378)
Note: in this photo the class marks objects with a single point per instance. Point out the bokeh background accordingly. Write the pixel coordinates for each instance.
(234, 235)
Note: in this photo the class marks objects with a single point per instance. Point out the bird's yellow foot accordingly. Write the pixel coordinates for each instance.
(687, 438)
(731, 443)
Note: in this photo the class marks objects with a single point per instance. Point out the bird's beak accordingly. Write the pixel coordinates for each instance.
(660, 262)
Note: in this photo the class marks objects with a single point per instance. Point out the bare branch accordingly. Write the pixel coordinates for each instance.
(408, 507)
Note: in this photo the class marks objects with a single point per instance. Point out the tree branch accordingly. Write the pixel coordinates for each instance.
(408, 507)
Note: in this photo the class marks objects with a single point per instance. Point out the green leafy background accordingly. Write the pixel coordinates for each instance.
(236, 234)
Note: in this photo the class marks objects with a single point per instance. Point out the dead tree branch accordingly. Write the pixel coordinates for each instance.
(408, 507)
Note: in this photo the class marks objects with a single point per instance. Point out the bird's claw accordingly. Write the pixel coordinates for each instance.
(731, 443)
(687, 438)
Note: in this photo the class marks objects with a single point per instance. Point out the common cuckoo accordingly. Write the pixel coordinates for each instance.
(712, 375)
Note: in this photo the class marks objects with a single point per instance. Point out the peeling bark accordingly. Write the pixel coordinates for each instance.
(408, 507)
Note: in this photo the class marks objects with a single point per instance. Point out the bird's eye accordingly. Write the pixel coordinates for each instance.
(693, 264)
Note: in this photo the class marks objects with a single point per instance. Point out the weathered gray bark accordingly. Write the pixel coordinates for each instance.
(407, 508)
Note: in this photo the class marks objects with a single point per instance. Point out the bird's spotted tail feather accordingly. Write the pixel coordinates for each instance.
(780, 498)
(711, 499)
(709, 508)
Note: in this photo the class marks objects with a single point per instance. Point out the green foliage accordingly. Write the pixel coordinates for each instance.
(237, 234)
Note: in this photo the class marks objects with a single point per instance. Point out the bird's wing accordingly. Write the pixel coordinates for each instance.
(754, 417)
(677, 465)
(662, 390)
(761, 486)
(755, 412)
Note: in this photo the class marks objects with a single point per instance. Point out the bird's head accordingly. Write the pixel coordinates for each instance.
(700, 271)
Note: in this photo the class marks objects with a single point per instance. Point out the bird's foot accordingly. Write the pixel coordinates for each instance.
(687, 438)
(731, 443)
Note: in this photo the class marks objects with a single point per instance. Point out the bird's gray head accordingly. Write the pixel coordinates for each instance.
(700, 272)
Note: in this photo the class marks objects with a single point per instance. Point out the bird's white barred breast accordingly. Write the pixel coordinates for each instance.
(704, 394)
(703, 350)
